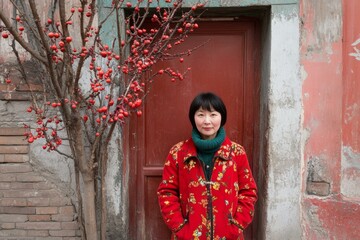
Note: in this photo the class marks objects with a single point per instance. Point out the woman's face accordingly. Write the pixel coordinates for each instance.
(207, 122)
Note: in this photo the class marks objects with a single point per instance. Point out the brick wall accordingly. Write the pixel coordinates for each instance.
(31, 208)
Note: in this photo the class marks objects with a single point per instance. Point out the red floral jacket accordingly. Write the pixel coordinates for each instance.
(194, 208)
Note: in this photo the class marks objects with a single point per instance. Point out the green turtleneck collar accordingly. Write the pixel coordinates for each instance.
(211, 145)
(206, 148)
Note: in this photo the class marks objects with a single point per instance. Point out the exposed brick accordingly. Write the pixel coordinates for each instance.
(23, 185)
(52, 193)
(13, 233)
(13, 140)
(17, 210)
(70, 225)
(6, 177)
(66, 210)
(49, 238)
(7, 226)
(13, 202)
(46, 210)
(7, 87)
(5, 185)
(38, 202)
(43, 186)
(13, 218)
(62, 217)
(32, 238)
(29, 177)
(14, 149)
(16, 131)
(39, 225)
(39, 218)
(72, 238)
(19, 238)
(15, 158)
(30, 87)
(38, 233)
(15, 168)
(31, 193)
(21, 193)
(318, 188)
(2, 158)
(63, 233)
(60, 201)
(15, 96)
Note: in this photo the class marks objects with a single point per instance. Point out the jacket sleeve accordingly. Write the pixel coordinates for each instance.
(168, 194)
(247, 194)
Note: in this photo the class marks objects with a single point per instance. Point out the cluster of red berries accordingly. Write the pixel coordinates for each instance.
(147, 46)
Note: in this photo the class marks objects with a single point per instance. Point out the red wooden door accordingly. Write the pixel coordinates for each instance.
(224, 65)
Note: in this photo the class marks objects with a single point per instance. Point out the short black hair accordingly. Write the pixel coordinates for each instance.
(207, 101)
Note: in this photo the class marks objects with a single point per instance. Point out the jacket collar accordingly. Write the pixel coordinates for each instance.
(223, 152)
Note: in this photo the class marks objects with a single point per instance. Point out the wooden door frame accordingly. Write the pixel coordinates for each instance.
(131, 153)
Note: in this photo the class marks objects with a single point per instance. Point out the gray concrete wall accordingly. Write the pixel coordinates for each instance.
(284, 127)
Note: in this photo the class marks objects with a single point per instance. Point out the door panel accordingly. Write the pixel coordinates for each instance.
(225, 65)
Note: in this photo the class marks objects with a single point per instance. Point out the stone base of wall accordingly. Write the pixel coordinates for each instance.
(31, 208)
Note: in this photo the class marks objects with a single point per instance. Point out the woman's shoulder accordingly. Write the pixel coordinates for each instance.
(182, 144)
(236, 148)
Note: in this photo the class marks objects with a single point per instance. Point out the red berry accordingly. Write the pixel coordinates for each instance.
(103, 53)
(139, 113)
(49, 21)
(128, 4)
(8, 81)
(31, 140)
(5, 35)
(51, 34)
(68, 39)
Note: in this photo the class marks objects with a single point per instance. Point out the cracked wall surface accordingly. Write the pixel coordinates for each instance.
(331, 170)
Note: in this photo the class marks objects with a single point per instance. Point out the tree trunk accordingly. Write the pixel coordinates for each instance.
(89, 208)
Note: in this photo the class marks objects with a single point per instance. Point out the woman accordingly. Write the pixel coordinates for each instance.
(207, 191)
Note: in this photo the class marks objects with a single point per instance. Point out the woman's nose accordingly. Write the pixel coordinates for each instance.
(207, 119)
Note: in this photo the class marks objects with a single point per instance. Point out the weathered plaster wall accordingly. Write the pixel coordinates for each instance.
(331, 119)
(284, 105)
(260, 216)
(350, 160)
